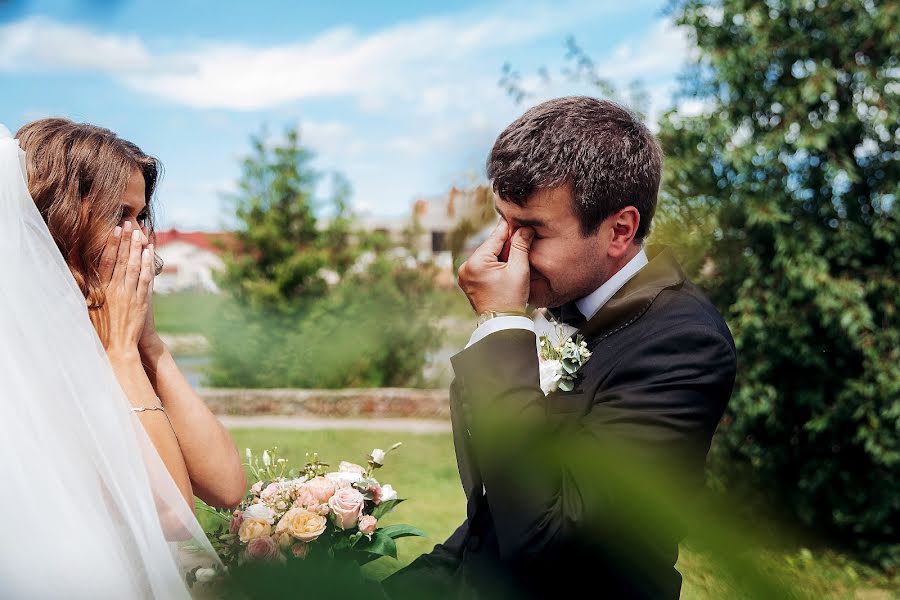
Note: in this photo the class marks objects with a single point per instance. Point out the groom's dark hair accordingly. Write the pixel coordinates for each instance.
(607, 155)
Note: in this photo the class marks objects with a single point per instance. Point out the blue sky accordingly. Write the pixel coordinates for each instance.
(401, 97)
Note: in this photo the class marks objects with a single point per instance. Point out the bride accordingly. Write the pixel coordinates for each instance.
(103, 442)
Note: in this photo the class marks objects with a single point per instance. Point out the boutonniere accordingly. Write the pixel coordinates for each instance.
(559, 365)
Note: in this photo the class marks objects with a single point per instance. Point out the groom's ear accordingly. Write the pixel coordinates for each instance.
(623, 226)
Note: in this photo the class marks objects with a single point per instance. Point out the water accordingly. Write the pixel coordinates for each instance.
(194, 367)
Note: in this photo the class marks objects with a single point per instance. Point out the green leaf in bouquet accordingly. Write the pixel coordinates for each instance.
(343, 543)
(386, 507)
(400, 531)
(566, 385)
(381, 545)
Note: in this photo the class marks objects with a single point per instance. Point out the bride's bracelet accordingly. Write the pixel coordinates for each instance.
(143, 408)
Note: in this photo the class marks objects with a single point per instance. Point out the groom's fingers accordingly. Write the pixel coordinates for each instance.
(518, 251)
(494, 244)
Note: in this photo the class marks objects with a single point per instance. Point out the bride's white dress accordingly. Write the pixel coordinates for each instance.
(86, 505)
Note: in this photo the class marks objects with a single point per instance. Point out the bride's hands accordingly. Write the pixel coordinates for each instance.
(150, 343)
(128, 268)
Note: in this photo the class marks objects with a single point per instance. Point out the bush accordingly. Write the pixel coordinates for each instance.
(374, 329)
(793, 172)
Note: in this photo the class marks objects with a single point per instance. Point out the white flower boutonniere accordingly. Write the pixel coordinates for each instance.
(559, 365)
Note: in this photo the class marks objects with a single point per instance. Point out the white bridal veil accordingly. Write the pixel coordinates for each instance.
(87, 509)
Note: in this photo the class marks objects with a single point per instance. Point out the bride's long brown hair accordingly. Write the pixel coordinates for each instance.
(77, 175)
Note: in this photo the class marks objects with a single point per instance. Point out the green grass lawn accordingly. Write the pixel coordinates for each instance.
(423, 470)
(186, 312)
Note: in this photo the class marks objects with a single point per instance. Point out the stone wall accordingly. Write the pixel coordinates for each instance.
(352, 403)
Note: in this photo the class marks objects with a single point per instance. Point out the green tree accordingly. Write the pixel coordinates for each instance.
(792, 167)
(281, 250)
(314, 301)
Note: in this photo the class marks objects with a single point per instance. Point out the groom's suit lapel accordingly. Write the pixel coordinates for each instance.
(636, 296)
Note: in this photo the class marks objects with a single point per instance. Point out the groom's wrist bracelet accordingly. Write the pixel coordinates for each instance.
(491, 314)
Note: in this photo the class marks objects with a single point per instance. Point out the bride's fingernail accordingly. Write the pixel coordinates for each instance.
(136, 235)
(145, 255)
(127, 226)
(117, 232)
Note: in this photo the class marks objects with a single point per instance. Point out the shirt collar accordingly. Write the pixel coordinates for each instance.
(593, 302)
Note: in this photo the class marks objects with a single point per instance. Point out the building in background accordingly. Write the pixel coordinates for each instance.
(190, 260)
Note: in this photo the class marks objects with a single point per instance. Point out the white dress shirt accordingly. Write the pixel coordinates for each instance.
(589, 305)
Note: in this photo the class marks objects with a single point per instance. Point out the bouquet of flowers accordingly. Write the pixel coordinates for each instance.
(289, 515)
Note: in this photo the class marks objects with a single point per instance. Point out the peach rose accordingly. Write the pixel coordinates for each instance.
(251, 529)
(322, 489)
(346, 505)
(367, 524)
(262, 548)
(304, 525)
(300, 550)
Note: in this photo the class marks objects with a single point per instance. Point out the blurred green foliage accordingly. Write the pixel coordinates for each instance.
(315, 303)
(424, 471)
(187, 312)
(781, 196)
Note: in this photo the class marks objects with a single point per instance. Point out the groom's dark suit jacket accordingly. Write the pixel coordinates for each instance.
(576, 487)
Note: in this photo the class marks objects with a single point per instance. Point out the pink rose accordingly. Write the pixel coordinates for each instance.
(236, 520)
(322, 489)
(262, 548)
(367, 524)
(305, 497)
(300, 550)
(319, 509)
(257, 487)
(271, 490)
(375, 490)
(346, 504)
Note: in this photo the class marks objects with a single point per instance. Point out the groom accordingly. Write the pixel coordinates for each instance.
(574, 487)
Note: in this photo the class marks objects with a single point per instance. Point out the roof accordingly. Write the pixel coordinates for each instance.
(215, 242)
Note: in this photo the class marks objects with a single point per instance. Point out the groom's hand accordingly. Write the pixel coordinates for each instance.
(492, 285)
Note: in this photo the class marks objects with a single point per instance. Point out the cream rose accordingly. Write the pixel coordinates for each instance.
(260, 512)
(253, 528)
(346, 505)
(378, 456)
(304, 525)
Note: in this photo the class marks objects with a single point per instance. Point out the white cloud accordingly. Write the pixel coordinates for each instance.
(663, 49)
(373, 68)
(37, 43)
